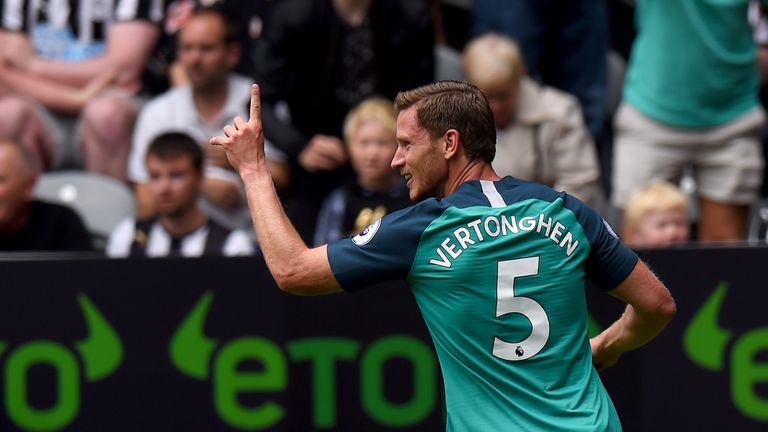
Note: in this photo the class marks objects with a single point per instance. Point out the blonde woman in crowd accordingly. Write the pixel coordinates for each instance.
(541, 135)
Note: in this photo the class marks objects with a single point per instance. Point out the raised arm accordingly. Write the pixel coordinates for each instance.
(296, 268)
(649, 308)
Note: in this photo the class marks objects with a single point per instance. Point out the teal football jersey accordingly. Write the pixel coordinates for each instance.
(498, 270)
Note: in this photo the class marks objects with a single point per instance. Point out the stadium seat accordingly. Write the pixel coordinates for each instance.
(100, 200)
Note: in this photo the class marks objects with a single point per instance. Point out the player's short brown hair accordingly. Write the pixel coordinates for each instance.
(455, 105)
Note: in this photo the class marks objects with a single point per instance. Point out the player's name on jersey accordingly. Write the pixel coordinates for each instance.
(492, 227)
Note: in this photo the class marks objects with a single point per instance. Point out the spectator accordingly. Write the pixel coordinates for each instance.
(175, 165)
(690, 99)
(208, 51)
(319, 58)
(247, 15)
(657, 215)
(541, 135)
(758, 19)
(564, 43)
(25, 223)
(377, 189)
(48, 49)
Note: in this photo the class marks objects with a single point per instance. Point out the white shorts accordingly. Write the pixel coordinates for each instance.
(726, 161)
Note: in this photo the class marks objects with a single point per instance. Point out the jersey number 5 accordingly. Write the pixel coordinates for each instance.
(507, 303)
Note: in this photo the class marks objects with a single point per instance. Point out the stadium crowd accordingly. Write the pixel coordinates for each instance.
(87, 85)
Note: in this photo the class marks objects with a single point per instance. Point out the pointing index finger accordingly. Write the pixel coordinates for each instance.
(255, 102)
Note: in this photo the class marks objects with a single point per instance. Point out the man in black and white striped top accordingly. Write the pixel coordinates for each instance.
(69, 71)
(175, 165)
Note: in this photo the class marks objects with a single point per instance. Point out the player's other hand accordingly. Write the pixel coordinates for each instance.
(602, 357)
(244, 141)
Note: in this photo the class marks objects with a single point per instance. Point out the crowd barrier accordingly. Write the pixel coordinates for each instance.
(91, 344)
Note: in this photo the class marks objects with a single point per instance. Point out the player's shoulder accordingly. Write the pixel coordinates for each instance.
(557, 203)
(505, 191)
(401, 226)
(421, 213)
(525, 189)
(515, 190)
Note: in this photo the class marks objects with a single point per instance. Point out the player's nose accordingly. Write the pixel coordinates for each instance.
(398, 161)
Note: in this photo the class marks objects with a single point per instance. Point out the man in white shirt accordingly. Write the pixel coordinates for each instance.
(207, 51)
(175, 166)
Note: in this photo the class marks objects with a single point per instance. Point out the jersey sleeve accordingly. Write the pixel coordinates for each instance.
(383, 251)
(609, 261)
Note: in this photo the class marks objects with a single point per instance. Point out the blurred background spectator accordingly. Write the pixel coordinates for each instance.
(175, 166)
(208, 50)
(31, 225)
(564, 44)
(376, 189)
(541, 134)
(657, 215)
(318, 58)
(69, 87)
(247, 15)
(690, 102)
(49, 50)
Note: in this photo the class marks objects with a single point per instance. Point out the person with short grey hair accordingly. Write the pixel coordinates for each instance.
(27, 224)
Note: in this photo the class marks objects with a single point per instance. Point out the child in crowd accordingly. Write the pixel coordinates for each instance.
(657, 216)
(377, 189)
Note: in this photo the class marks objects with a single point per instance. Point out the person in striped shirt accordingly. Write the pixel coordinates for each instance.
(181, 228)
(69, 72)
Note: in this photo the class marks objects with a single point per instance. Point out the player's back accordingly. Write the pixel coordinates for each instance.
(499, 276)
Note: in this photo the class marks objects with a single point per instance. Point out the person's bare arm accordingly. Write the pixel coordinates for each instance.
(296, 268)
(15, 46)
(649, 308)
(129, 46)
(53, 95)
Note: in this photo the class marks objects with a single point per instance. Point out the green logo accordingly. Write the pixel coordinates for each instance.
(705, 342)
(101, 352)
(200, 357)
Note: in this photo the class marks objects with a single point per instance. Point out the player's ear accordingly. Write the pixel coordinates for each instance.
(452, 141)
